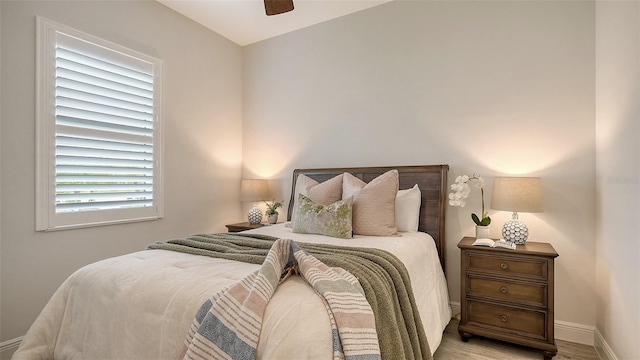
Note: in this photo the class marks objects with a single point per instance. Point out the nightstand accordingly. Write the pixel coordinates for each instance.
(508, 294)
(233, 228)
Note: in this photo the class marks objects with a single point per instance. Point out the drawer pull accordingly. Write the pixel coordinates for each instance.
(504, 266)
(504, 290)
(504, 318)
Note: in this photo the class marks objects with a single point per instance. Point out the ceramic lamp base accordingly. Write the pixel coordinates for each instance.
(254, 216)
(516, 231)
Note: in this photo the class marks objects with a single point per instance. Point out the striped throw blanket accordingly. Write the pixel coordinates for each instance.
(228, 324)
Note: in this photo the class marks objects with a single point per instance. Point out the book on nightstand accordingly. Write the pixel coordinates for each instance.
(503, 244)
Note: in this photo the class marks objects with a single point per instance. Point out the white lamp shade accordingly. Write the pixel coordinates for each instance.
(254, 190)
(517, 194)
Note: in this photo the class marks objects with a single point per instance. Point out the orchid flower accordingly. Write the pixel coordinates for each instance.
(461, 190)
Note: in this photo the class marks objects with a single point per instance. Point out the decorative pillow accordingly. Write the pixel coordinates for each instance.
(374, 204)
(331, 220)
(324, 193)
(408, 209)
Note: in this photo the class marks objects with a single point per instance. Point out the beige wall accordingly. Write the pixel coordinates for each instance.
(203, 129)
(618, 174)
(488, 87)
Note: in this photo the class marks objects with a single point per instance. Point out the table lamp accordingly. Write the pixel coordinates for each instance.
(517, 194)
(254, 190)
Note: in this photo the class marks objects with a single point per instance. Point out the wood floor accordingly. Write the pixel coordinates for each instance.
(452, 348)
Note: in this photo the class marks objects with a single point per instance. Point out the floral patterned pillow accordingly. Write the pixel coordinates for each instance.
(331, 220)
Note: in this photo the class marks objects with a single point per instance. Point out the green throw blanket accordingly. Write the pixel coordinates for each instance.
(383, 277)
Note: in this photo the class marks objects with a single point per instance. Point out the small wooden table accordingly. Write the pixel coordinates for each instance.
(508, 294)
(233, 228)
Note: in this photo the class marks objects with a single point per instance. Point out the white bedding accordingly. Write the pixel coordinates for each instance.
(140, 305)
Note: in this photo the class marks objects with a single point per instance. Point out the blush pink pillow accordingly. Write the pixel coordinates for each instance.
(324, 193)
(374, 204)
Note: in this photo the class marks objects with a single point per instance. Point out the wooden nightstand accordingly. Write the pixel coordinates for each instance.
(232, 228)
(508, 294)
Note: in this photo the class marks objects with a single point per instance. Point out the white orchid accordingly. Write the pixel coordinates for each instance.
(456, 199)
(461, 190)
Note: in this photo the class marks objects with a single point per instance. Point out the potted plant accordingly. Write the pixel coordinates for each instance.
(460, 191)
(272, 213)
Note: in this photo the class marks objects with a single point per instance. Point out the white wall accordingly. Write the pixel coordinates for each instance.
(618, 177)
(203, 129)
(488, 87)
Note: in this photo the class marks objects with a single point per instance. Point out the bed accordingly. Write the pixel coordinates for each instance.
(140, 305)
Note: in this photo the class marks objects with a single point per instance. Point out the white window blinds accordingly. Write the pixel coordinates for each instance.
(104, 129)
(105, 136)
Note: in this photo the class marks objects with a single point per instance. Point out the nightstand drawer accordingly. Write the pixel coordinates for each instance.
(528, 323)
(532, 268)
(504, 290)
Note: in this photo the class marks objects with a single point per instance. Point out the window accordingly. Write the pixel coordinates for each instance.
(98, 131)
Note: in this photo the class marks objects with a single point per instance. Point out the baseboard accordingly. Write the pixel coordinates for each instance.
(577, 333)
(10, 344)
(602, 347)
(455, 310)
(563, 330)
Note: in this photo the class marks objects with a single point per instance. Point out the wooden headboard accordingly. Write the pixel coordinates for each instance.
(431, 179)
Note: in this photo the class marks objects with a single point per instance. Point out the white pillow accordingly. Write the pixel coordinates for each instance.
(373, 203)
(408, 209)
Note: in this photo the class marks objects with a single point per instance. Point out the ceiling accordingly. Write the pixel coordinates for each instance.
(245, 22)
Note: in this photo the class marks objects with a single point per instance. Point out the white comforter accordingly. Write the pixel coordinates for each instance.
(140, 305)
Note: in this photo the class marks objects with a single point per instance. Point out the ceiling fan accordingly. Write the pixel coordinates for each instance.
(275, 7)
